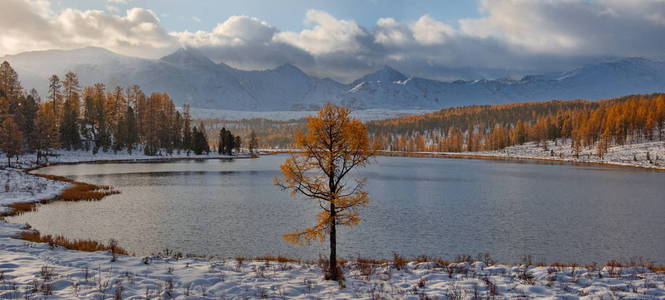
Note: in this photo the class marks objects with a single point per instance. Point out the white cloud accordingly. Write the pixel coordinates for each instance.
(574, 27)
(428, 31)
(32, 25)
(329, 35)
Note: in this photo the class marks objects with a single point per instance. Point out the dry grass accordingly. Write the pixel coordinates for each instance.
(78, 191)
(279, 259)
(80, 245)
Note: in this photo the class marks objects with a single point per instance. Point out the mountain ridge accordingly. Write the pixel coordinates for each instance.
(191, 77)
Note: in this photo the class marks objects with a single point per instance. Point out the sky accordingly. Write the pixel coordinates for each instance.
(343, 39)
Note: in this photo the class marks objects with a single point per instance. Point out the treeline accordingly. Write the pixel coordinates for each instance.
(587, 124)
(258, 132)
(92, 118)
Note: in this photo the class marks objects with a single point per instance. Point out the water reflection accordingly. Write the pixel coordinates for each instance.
(437, 207)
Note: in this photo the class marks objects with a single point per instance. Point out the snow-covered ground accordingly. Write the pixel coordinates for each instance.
(634, 155)
(235, 115)
(16, 187)
(36, 271)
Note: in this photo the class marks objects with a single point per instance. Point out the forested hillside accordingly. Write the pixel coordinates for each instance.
(628, 119)
(92, 118)
(617, 121)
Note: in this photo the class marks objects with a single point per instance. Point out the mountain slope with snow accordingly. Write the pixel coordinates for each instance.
(190, 77)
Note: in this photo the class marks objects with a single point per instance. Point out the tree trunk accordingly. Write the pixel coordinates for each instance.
(333, 272)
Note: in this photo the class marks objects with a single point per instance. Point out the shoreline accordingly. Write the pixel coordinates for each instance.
(104, 191)
(462, 155)
(81, 191)
(99, 192)
(65, 273)
(618, 156)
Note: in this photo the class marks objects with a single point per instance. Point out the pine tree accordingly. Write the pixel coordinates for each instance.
(204, 146)
(253, 143)
(70, 138)
(236, 143)
(223, 141)
(186, 129)
(46, 133)
(11, 139)
(25, 117)
(9, 82)
(132, 137)
(55, 95)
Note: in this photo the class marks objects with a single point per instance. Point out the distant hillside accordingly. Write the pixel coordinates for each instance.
(190, 77)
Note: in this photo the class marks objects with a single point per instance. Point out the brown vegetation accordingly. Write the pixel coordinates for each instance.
(78, 191)
(587, 124)
(80, 245)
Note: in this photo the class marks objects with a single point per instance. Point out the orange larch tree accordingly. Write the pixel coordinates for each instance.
(332, 145)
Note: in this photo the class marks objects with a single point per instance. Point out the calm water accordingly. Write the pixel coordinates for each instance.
(437, 207)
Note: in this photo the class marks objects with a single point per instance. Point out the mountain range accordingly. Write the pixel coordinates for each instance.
(190, 77)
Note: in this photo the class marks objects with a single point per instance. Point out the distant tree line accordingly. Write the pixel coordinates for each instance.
(586, 124)
(92, 118)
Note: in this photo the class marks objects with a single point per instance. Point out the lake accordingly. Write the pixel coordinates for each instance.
(419, 206)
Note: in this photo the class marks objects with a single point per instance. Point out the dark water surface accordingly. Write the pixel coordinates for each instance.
(436, 207)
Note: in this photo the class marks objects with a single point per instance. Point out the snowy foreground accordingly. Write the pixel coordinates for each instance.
(634, 155)
(37, 271)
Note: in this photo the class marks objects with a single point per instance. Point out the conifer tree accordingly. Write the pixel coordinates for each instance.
(46, 133)
(55, 95)
(11, 139)
(70, 137)
(25, 117)
(333, 145)
(9, 82)
(221, 148)
(236, 143)
(253, 143)
(186, 129)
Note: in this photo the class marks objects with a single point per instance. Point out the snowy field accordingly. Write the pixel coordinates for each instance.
(627, 155)
(37, 271)
(235, 115)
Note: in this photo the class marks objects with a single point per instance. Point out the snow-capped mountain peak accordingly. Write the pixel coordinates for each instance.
(191, 77)
(187, 56)
(385, 75)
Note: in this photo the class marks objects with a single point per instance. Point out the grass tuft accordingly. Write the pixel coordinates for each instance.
(80, 245)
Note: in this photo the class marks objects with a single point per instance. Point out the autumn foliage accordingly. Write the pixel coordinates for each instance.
(333, 144)
(586, 124)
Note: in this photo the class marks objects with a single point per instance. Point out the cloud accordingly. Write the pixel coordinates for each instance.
(32, 25)
(329, 35)
(574, 27)
(510, 36)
